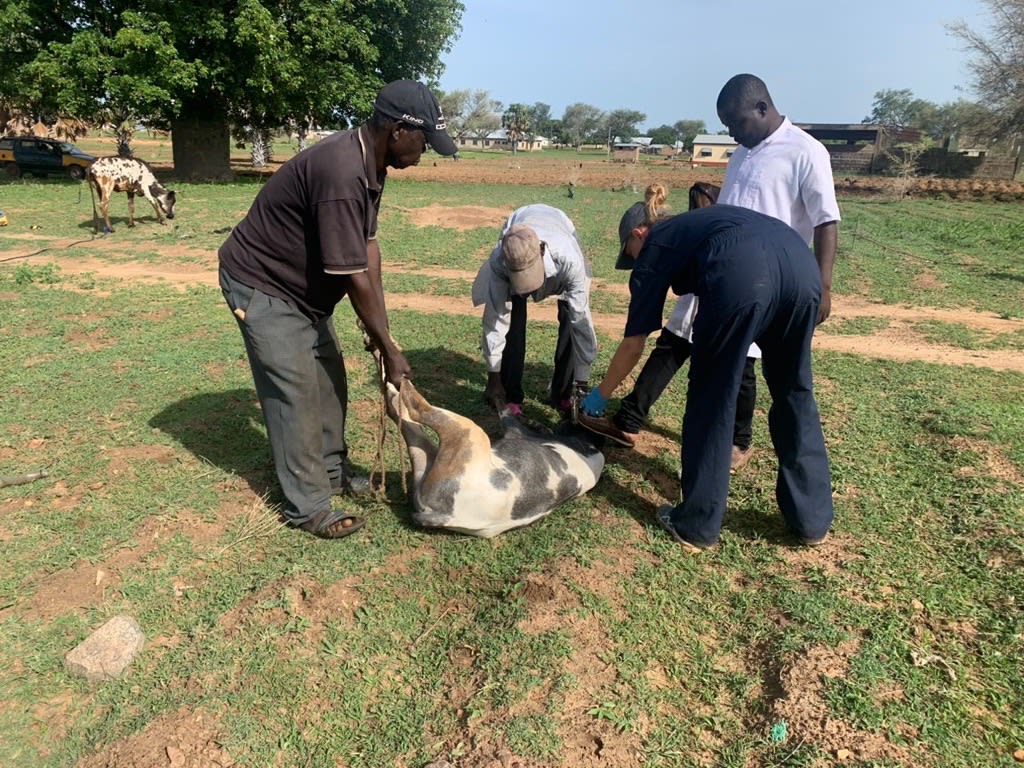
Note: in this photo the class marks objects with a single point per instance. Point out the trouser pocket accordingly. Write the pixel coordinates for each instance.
(237, 295)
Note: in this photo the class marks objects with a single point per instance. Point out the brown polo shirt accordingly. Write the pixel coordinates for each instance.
(310, 224)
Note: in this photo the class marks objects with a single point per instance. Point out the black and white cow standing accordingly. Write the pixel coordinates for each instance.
(464, 482)
(108, 175)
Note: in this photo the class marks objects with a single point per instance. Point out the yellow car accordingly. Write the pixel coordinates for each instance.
(41, 157)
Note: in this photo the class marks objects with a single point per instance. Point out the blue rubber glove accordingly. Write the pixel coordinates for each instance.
(593, 404)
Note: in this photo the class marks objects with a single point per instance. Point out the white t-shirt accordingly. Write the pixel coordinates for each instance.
(788, 176)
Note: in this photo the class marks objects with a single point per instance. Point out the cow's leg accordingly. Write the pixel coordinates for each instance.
(93, 192)
(105, 209)
(461, 443)
(156, 210)
(131, 208)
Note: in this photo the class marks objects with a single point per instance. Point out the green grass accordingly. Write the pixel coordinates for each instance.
(587, 631)
(966, 250)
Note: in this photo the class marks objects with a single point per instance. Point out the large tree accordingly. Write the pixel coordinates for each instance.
(454, 105)
(197, 65)
(998, 67)
(687, 131)
(622, 123)
(582, 123)
(541, 122)
(516, 122)
(483, 114)
(899, 108)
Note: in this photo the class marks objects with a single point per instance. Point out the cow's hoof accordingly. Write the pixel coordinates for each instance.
(107, 230)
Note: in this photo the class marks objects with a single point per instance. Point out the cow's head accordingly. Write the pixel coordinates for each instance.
(165, 199)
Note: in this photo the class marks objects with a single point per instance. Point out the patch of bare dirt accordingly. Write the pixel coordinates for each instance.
(461, 218)
(803, 708)
(996, 464)
(181, 739)
(552, 600)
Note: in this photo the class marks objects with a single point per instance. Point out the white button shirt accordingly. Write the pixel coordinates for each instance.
(788, 175)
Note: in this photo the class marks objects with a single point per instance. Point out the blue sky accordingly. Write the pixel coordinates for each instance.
(823, 62)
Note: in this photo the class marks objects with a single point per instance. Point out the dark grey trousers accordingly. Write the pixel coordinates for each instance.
(300, 380)
(513, 359)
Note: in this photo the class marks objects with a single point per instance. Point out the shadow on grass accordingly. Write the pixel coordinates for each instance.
(225, 429)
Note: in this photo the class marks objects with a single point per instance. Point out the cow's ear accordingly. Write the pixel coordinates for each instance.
(170, 195)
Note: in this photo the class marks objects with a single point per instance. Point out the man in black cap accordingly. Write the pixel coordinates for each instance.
(309, 239)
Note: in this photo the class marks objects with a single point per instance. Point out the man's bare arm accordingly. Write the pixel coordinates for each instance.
(826, 239)
(367, 296)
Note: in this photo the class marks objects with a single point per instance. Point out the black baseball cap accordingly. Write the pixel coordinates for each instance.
(635, 216)
(413, 103)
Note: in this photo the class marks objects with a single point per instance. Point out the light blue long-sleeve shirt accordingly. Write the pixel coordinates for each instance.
(566, 275)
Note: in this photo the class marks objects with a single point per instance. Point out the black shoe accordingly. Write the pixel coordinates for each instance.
(352, 485)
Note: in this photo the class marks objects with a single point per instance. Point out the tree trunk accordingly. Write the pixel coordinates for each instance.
(123, 135)
(260, 153)
(201, 142)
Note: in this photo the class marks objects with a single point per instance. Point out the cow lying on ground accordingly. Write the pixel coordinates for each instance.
(126, 174)
(468, 484)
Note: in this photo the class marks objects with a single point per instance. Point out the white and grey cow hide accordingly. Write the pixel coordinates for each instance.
(465, 483)
(108, 175)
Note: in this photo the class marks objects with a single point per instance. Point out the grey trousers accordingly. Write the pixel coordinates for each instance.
(299, 374)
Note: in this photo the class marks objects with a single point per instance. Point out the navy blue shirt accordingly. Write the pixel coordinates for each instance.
(676, 251)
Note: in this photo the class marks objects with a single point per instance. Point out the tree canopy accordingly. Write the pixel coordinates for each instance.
(516, 122)
(622, 123)
(194, 64)
(582, 123)
(998, 69)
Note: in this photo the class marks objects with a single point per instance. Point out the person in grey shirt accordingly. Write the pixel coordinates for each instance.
(538, 255)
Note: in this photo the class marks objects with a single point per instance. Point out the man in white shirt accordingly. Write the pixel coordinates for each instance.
(783, 172)
(780, 170)
(538, 255)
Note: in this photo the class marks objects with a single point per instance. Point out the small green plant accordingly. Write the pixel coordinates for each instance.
(47, 274)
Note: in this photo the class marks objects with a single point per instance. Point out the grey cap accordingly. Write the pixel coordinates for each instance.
(635, 216)
(522, 250)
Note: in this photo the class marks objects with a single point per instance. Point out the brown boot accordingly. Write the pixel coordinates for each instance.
(740, 458)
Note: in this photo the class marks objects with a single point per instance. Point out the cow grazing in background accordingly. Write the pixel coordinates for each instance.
(703, 194)
(466, 483)
(126, 174)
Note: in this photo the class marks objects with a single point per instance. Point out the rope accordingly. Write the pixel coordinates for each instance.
(378, 469)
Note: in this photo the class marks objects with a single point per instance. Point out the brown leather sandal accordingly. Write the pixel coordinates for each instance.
(340, 525)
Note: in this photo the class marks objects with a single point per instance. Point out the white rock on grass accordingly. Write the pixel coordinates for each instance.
(108, 651)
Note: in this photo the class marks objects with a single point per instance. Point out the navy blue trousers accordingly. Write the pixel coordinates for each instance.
(754, 290)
